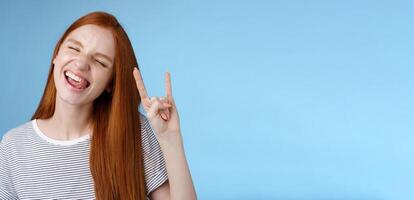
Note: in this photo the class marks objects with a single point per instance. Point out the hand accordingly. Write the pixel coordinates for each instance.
(161, 111)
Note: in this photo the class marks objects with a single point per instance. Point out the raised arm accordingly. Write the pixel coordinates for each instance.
(163, 116)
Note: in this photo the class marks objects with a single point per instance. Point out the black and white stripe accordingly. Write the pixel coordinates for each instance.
(33, 166)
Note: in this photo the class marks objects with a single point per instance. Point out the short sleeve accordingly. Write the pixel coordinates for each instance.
(6, 186)
(154, 163)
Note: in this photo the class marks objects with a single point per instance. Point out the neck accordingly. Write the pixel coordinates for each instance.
(70, 121)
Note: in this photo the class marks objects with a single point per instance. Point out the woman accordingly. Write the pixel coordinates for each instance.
(87, 139)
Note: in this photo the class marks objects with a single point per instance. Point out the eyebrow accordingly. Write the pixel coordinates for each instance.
(97, 54)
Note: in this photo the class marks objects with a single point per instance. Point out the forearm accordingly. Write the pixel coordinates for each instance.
(180, 181)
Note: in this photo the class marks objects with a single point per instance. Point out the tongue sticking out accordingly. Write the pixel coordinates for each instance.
(78, 85)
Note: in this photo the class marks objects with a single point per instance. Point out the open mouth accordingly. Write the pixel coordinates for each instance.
(75, 81)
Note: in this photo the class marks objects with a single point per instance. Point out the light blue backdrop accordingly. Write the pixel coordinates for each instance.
(278, 99)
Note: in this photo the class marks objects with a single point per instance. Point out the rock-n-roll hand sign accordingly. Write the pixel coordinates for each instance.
(161, 111)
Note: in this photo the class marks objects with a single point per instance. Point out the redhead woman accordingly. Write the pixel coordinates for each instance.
(87, 139)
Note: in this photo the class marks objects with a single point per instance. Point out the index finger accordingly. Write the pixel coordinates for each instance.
(140, 84)
(168, 88)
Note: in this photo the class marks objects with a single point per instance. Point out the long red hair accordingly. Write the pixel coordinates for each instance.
(116, 160)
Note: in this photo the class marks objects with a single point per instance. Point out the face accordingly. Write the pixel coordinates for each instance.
(83, 67)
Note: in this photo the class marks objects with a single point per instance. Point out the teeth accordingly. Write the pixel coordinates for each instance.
(73, 76)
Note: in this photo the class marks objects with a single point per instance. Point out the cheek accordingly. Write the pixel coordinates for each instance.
(56, 69)
(64, 57)
(60, 60)
(103, 78)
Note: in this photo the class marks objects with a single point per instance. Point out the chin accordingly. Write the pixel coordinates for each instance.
(73, 100)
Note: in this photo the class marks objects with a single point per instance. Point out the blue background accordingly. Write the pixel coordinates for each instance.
(278, 99)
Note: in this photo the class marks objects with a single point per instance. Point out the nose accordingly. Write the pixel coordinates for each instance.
(82, 63)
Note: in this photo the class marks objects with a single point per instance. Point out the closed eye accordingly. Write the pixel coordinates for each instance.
(101, 63)
(73, 48)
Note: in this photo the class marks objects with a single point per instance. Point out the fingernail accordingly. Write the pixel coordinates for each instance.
(164, 116)
(167, 104)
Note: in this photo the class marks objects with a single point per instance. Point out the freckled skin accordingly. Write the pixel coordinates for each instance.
(78, 54)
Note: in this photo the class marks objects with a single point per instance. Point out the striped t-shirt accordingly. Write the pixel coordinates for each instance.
(34, 166)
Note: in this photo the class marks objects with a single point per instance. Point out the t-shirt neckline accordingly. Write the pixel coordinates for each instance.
(54, 141)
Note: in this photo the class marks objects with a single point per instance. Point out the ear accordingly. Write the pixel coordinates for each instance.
(54, 60)
(109, 88)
